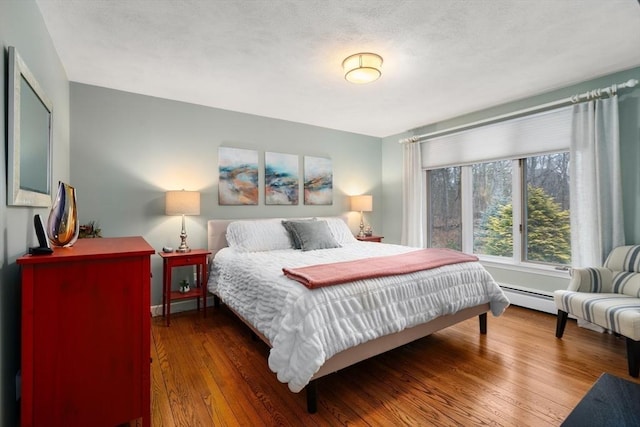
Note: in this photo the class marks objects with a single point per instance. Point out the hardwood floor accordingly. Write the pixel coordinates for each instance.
(211, 372)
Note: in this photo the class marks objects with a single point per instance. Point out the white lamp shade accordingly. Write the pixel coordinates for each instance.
(182, 202)
(362, 67)
(362, 203)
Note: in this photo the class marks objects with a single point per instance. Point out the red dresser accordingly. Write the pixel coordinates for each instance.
(86, 334)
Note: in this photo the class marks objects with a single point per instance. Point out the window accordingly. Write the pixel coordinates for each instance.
(492, 221)
(546, 187)
(496, 198)
(501, 190)
(445, 217)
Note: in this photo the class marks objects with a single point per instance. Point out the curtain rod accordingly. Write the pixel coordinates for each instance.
(575, 99)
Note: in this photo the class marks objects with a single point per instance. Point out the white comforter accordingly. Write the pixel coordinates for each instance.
(307, 327)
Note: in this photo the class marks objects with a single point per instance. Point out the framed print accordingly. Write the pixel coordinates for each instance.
(318, 181)
(238, 176)
(281, 180)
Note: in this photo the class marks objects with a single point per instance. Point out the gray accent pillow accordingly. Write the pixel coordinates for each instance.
(287, 224)
(313, 235)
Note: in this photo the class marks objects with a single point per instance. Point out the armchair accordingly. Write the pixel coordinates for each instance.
(609, 297)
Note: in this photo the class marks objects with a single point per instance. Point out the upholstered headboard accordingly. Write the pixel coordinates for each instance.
(217, 234)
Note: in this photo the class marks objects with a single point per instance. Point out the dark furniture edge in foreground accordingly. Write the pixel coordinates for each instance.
(611, 401)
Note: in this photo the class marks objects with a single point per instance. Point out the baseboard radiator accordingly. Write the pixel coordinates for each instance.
(530, 298)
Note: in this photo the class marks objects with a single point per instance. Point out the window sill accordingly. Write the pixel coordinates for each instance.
(544, 270)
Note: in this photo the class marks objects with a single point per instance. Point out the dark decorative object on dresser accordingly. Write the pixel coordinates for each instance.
(63, 227)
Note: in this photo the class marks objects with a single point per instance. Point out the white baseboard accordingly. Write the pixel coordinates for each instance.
(178, 306)
(530, 298)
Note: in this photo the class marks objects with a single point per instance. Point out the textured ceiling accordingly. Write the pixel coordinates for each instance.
(282, 58)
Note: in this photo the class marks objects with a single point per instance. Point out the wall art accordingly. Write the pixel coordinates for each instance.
(281, 182)
(238, 176)
(318, 181)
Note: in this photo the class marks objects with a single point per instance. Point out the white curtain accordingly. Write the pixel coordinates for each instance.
(413, 206)
(596, 188)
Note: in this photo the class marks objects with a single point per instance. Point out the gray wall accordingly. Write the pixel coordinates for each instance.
(629, 108)
(128, 149)
(21, 25)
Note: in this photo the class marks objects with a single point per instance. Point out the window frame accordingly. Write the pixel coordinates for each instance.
(517, 261)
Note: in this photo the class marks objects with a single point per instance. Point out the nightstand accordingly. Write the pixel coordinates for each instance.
(377, 239)
(197, 257)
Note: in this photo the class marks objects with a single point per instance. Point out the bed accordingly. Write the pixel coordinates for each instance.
(315, 332)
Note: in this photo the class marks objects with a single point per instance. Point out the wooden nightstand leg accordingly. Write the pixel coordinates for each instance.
(203, 283)
(164, 287)
(198, 285)
(167, 291)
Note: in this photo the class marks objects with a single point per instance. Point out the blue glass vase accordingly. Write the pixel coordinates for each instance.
(62, 226)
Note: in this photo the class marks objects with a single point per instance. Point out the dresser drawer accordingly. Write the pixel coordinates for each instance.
(188, 260)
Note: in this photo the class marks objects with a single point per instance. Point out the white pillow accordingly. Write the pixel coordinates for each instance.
(258, 235)
(339, 229)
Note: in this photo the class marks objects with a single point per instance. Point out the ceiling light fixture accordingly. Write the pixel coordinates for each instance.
(362, 67)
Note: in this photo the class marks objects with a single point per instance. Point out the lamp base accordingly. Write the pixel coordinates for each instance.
(183, 239)
(183, 243)
(361, 233)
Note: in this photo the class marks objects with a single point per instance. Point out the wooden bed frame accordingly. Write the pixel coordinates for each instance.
(217, 240)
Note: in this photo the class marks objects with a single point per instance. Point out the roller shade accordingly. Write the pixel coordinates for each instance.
(536, 134)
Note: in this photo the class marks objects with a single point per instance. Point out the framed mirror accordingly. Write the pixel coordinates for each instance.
(29, 138)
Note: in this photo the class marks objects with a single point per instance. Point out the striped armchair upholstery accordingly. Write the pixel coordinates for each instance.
(609, 297)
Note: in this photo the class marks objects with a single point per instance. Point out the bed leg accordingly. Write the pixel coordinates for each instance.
(216, 301)
(312, 397)
(483, 323)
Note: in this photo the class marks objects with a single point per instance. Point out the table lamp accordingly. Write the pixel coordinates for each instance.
(183, 203)
(363, 203)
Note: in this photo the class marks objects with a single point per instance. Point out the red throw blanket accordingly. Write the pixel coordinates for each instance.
(317, 276)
